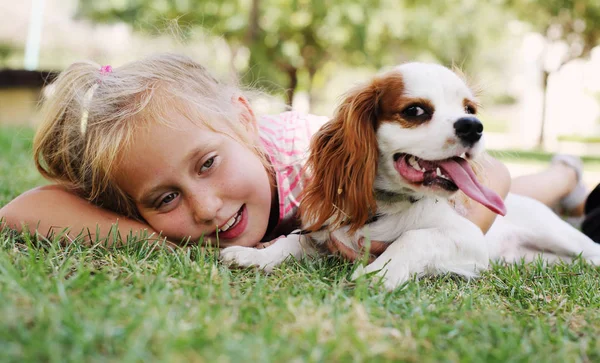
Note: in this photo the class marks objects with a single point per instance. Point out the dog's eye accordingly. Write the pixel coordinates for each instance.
(470, 109)
(413, 111)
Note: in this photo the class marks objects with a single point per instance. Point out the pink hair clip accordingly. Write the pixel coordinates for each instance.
(105, 69)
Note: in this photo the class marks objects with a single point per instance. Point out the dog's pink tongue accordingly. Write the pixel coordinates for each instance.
(460, 172)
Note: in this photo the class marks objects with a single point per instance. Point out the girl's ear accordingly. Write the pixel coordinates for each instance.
(247, 116)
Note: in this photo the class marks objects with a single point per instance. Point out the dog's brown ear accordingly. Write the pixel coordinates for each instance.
(343, 164)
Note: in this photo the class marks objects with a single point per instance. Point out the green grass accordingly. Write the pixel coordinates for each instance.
(17, 172)
(75, 303)
(492, 124)
(580, 138)
(537, 156)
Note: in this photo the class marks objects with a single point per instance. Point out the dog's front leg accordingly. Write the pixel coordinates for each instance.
(267, 258)
(430, 251)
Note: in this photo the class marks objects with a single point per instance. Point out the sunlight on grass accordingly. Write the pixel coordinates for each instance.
(17, 171)
(143, 303)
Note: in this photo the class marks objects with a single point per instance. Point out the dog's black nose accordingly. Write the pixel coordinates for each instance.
(468, 129)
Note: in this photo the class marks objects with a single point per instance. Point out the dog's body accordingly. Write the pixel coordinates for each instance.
(384, 169)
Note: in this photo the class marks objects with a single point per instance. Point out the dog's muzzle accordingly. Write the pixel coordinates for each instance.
(468, 130)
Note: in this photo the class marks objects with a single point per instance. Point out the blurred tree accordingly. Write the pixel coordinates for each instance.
(288, 42)
(6, 50)
(464, 33)
(302, 35)
(572, 24)
(284, 37)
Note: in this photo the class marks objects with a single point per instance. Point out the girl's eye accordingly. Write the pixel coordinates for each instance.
(207, 164)
(168, 199)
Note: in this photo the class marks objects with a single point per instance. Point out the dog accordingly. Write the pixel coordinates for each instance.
(388, 166)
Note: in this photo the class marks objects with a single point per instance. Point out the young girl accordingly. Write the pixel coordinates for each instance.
(160, 146)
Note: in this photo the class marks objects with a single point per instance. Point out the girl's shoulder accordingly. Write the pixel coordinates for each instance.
(286, 139)
(286, 136)
(299, 123)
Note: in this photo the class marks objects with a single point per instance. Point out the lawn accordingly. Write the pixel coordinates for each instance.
(74, 303)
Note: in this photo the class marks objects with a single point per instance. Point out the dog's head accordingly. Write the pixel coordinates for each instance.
(409, 131)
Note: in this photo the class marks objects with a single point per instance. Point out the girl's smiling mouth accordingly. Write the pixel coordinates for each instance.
(235, 226)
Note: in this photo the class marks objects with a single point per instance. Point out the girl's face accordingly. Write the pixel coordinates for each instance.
(188, 181)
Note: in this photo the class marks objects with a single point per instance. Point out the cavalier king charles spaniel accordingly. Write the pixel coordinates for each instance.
(387, 168)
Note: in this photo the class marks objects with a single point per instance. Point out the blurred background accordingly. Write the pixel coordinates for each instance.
(536, 62)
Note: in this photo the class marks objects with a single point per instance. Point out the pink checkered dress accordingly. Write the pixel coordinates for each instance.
(286, 138)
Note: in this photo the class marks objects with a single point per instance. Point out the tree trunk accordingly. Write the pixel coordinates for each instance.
(541, 139)
(292, 73)
(253, 26)
(311, 76)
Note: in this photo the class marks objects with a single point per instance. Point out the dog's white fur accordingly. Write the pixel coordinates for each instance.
(429, 237)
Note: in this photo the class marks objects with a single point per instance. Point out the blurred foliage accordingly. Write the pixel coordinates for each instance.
(6, 50)
(572, 22)
(288, 42)
(505, 99)
(456, 31)
(281, 37)
(569, 23)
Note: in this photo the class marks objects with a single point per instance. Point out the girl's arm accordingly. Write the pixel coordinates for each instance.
(50, 209)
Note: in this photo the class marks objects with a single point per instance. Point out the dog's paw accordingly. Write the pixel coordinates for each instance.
(359, 272)
(392, 275)
(594, 260)
(246, 257)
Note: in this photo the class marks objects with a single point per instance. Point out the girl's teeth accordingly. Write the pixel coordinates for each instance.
(230, 223)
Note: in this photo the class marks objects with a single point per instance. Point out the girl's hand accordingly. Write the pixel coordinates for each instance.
(338, 248)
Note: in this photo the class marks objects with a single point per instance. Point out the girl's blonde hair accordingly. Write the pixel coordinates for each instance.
(92, 116)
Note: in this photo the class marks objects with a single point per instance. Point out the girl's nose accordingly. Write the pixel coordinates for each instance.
(205, 208)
